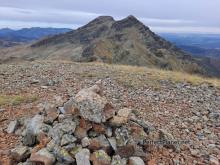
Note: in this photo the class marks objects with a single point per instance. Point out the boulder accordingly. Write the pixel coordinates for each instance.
(121, 117)
(92, 106)
(51, 114)
(83, 157)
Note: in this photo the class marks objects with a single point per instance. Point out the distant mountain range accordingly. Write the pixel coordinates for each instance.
(28, 34)
(127, 41)
(205, 45)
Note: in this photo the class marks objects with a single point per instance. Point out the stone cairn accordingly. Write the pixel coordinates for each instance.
(86, 130)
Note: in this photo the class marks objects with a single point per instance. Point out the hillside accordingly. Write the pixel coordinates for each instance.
(183, 108)
(127, 41)
(6, 43)
(26, 35)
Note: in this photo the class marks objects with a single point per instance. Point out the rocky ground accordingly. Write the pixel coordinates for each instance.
(189, 113)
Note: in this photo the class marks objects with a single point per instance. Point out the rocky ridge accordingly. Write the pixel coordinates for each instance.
(127, 41)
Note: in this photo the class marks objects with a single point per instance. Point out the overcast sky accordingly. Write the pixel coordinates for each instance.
(194, 16)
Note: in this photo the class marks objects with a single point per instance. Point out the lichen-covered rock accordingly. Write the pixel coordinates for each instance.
(83, 157)
(117, 160)
(43, 156)
(100, 158)
(62, 155)
(59, 129)
(92, 106)
(67, 139)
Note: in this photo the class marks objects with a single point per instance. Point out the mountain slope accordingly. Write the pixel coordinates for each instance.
(29, 34)
(127, 41)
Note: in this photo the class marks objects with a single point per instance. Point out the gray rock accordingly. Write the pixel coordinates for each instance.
(92, 106)
(109, 132)
(122, 136)
(113, 143)
(117, 160)
(62, 155)
(67, 139)
(61, 110)
(47, 154)
(59, 129)
(32, 129)
(213, 160)
(135, 161)
(83, 157)
(12, 126)
(20, 153)
(85, 142)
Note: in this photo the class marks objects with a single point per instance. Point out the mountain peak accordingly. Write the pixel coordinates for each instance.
(130, 21)
(131, 17)
(101, 20)
(105, 18)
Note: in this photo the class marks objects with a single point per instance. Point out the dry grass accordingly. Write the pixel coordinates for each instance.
(133, 76)
(16, 99)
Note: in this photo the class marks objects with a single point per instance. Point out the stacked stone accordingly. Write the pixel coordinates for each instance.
(86, 130)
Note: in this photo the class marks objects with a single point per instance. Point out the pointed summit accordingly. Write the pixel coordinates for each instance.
(127, 22)
(100, 20)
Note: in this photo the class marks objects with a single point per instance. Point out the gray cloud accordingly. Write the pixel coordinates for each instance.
(160, 15)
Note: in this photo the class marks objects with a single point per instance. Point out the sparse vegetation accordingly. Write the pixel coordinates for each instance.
(16, 99)
(133, 76)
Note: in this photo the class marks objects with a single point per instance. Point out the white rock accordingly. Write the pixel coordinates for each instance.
(12, 126)
(85, 142)
(82, 157)
(135, 161)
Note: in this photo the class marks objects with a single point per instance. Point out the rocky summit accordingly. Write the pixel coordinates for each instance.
(92, 113)
(87, 130)
(127, 41)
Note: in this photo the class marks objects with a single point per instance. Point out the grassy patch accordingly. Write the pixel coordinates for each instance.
(132, 76)
(16, 99)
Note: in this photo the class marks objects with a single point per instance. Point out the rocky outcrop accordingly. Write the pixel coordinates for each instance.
(91, 131)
